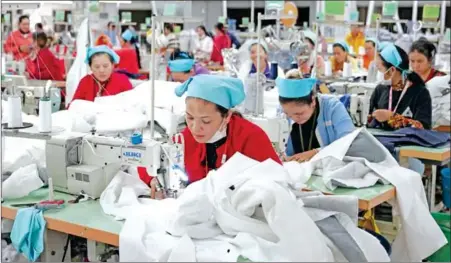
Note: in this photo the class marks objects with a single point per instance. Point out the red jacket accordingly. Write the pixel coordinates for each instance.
(127, 60)
(46, 66)
(219, 43)
(242, 136)
(88, 87)
(14, 41)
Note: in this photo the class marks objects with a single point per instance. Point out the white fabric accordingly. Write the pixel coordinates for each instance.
(419, 236)
(22, 182)
(441, 102)
(79, 69)
(261, 219)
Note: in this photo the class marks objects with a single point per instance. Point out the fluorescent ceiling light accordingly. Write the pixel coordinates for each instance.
(116, 2)
(38, 2)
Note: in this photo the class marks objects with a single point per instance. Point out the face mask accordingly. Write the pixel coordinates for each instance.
(383, 81)
(220, 133)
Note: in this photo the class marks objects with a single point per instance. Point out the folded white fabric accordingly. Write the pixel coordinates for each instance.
(22, 182)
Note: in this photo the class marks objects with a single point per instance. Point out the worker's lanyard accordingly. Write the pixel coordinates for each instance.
(223, 157)
(101, 87)
(311, 134)
(390, 98)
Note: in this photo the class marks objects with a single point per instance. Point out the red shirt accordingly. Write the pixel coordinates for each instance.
(14, 41)
(219, 43)
(88, 87)
(434, 73)
(242, 136)
(45, 66)
(128, 60)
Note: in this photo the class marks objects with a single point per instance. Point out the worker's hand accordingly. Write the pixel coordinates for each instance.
(303, 157)
(24, 48)
(382, 115)
(156, 191)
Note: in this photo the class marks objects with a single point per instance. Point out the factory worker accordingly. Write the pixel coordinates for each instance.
(250, 66)
(306, 65)
(214, 131)
(341, 55)
(402, 100)
(355, 38)
(370, 52)
(220, 42)
(130, 40)
(182, 66)
(19, 42)
(103, 81)
(317, 120)
(421, 56)
(42, 63)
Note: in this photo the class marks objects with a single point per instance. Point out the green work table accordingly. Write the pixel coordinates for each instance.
(85, 219)
(368, 197)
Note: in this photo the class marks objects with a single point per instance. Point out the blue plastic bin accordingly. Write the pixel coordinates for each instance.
(446, 182)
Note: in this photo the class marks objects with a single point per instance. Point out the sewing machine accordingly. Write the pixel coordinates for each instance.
(87, 163)
(277, 129)
(32, 95)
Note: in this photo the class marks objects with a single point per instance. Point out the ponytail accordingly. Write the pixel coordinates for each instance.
(134, 42)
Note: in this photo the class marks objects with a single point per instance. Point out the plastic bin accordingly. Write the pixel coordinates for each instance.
(444, 253)
(446, 182)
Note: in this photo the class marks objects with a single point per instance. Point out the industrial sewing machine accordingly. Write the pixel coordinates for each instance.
(277, 129)
(87, 163)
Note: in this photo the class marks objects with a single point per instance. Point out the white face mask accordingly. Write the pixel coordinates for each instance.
(383, 81)
(220, 133)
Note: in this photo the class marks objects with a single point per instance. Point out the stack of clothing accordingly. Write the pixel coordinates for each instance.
(439, 88)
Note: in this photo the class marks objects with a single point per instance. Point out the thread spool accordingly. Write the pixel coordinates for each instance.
(327, 69)
(274, 70)
(330, 49)
(14, 105)
(361, 51)
(347, 70)
(45, 115)
(51, 194)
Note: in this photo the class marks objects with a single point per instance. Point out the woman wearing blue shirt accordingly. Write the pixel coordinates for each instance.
(318, 120)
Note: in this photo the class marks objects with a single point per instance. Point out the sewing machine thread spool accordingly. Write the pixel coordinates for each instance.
(14, 105)
(51, 194)
(347, 70)
(328, 69)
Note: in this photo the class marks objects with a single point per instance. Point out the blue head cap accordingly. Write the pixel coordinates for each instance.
(343, 45)
(255, 42)
(295, 88)
(310, 35)
(128, 35)
(382, 45)
(101, 49)
(391, 55)
(182, 63)
(221, 90)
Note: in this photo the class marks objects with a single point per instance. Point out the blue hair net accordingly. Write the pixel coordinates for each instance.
(101, 49)
(343, 45)
(391, 55)
(310, 35)
(221, 90)
(295, 88)
(181, 65)
(128, 35)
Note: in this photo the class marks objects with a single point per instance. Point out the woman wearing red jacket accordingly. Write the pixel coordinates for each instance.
(214, 132)
(103, 81)
(42, 63)
(220, 42)
(19, 42)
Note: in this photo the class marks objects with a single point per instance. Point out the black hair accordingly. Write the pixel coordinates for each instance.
(404, 66)
(220, 27)
(40, 36)
(310, 41)
(340, 46)
(205, 30)
(22, 17)
(169, 27)
(134, 41)
(98, 54)
(178, 54)
(371, 41)
(306, 100)
(424, 47)
(39, 25)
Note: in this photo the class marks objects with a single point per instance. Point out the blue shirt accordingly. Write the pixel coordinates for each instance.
(267, 71)
(112, 35)
(234, 40)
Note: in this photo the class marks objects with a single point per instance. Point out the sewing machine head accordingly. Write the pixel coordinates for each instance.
(31, 96)
(277, 129)
(88, 163)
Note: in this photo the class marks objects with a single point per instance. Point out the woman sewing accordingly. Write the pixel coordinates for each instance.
(317, 120)
(19, 42)
(42, 64)
(220, 42)
(305, 65)
(421, 56)
(370, 49)
(402, 100)
(214, 131)
(103, 81)
(340, 57)
(182, 66)
(250, 66)
(130, 41)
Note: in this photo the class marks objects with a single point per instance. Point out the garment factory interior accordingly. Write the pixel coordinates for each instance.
(225, 131)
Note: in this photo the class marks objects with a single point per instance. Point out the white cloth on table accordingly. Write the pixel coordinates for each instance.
(439, 90)
(419, 236)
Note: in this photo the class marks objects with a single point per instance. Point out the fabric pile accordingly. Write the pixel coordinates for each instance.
(244, 210)
(439, 88)
(348, 163)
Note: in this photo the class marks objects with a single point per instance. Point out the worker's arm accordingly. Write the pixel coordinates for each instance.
(11, 46)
